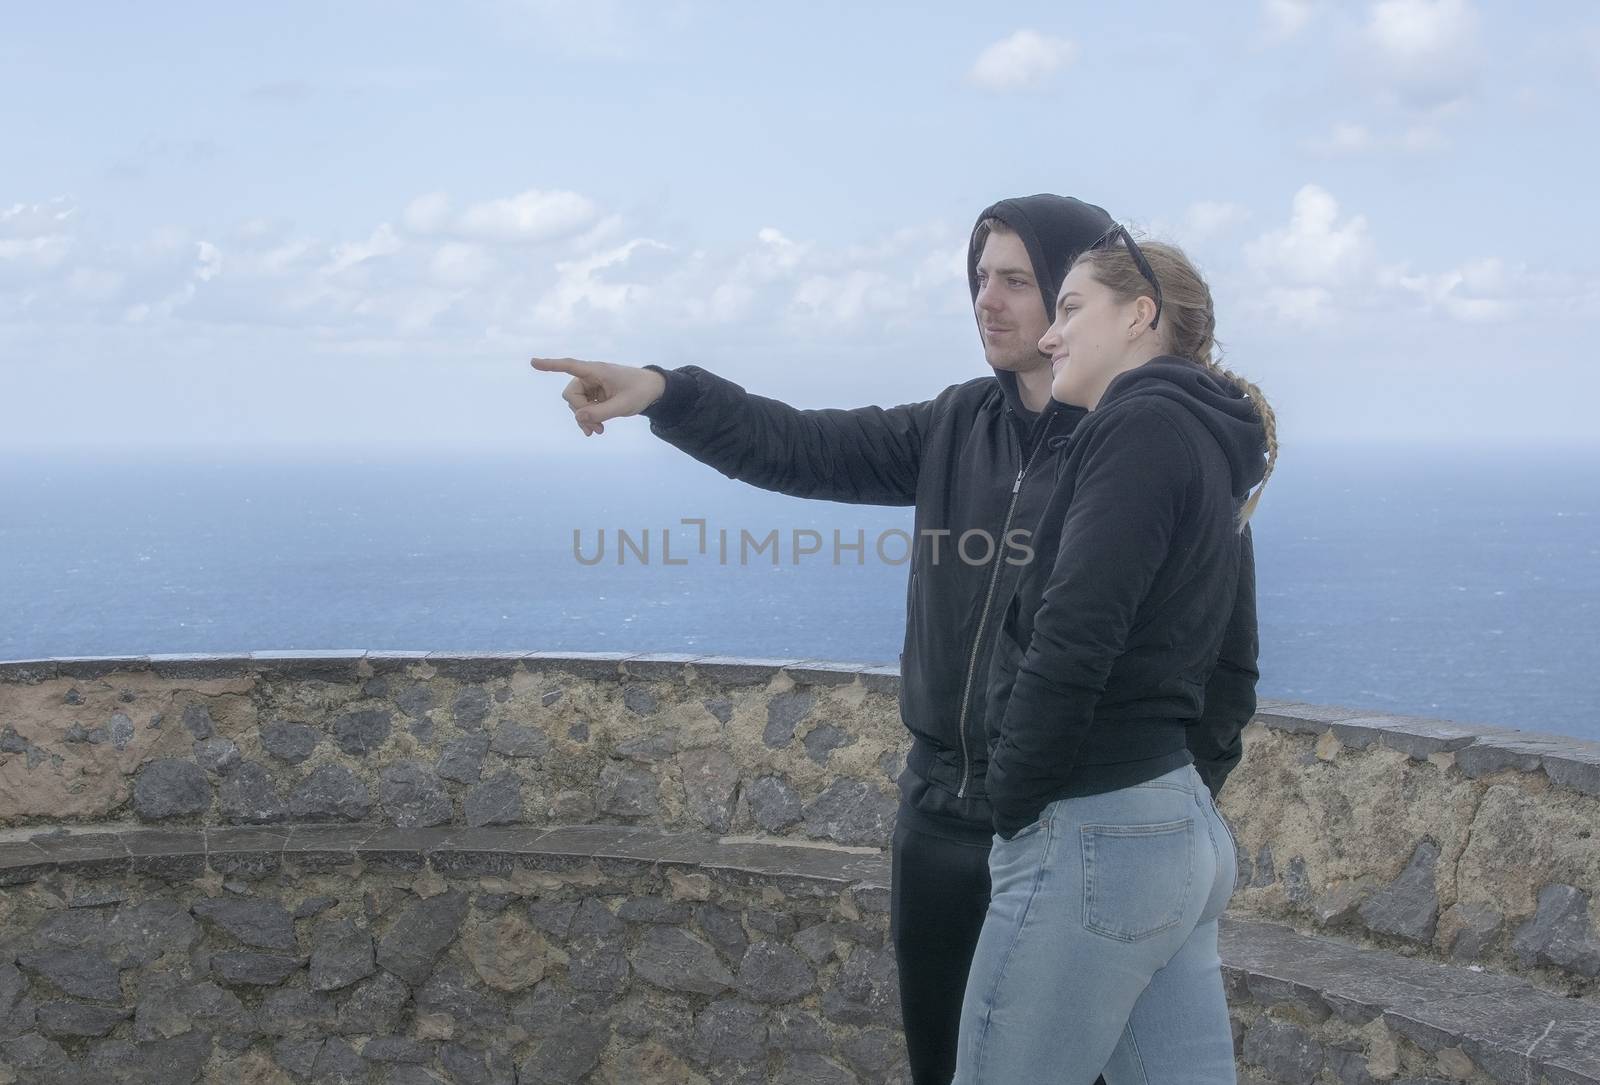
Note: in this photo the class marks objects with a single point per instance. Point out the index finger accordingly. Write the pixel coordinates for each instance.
(576, 367)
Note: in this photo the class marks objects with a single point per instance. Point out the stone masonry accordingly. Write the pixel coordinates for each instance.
(422, 867)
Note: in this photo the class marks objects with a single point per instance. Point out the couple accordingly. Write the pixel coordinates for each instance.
(1059, 865)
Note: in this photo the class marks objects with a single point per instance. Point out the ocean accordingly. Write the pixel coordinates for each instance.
(1451, 583)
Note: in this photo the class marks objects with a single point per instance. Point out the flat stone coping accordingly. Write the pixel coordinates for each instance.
(812, 867)
(1507, 1026)
(1477, 750)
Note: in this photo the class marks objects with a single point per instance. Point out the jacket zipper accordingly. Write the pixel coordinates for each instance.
(983, 618)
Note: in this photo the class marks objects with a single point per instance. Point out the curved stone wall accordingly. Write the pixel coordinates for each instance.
(203, 860)
(1468, 845)
(418, 739)
(493, 956)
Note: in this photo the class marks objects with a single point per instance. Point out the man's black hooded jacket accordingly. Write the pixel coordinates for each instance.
(973, 457)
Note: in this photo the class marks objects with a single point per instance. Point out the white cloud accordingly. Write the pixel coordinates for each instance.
(352, 254)
(847, 297)
(579, 286)
(422, 279)
(208, 261)
(1025, 59)
(528, 216)
(1286, 18)
(1474, 292)
(1316, 248)
(533, 217)
(1488, 289)
(1427, 50)
(37, 252)
(35, 237)
(458, 264)
(1324, 266)
(427, 214)
(29, 220)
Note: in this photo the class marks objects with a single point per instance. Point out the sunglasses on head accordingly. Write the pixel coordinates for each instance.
(1119, 231)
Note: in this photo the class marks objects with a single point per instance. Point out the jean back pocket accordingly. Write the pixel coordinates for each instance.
(1136, 878)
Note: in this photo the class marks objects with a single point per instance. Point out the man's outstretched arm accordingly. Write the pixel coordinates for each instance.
(866, 455)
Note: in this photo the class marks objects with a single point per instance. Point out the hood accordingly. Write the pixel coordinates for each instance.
(1055, 229)
(1216, 401)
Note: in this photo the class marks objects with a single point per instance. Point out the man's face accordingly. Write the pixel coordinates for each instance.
(1011, 315)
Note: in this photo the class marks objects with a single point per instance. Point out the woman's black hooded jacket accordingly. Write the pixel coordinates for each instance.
(1114, 631)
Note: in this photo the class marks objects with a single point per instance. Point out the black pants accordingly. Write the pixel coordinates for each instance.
(937, 901)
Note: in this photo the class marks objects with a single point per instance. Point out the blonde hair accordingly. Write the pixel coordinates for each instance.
(1187, 325)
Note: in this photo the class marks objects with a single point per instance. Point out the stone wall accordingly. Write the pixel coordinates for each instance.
(203, 859)
(486, 956)
(417, 740)
(1467, 845)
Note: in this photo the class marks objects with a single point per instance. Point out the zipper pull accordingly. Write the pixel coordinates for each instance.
(1017, 485)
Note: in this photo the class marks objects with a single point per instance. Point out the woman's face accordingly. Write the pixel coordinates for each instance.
(1094, 338)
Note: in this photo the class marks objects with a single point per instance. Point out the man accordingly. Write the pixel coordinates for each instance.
(973, 459)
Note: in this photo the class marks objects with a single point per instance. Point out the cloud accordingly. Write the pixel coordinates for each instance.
(1488, 289)
(531, 217)
(849, 296)
(457, 264)
(31, 220)
(351, 255)
(427, 214)
(1305, 269)
(582, 290)
(1474, 292)
(1323, 265)
(1427, 51)
(438, 276)
(35, 238)
(1286, 18)
(1025, 59)
(1316, 248)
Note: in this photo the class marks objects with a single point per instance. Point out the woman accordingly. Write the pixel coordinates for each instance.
(1110, 863)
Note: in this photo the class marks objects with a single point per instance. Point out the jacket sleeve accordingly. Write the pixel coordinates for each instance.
(1230, 695)
(865, 456)
(1129, 493)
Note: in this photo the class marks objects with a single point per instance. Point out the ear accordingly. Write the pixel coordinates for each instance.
(1144, 311)
(1144, 306)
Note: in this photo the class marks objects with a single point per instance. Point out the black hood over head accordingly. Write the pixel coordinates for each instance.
(1217, 402)
(1054, 229)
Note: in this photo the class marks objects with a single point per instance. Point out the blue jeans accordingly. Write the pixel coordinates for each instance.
(1098, 954)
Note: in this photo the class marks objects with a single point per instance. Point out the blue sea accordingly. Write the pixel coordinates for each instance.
(1452, 583)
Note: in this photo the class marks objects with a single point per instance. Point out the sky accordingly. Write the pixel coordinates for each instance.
(348, 226)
